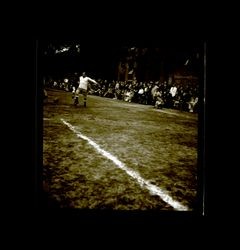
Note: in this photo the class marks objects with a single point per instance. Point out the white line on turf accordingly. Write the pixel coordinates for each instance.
(143, 183)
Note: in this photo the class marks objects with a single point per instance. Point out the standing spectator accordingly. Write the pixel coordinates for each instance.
(173, 92)
(117, 91)
(192, 103)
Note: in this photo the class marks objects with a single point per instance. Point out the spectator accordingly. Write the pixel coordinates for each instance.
(158, 100)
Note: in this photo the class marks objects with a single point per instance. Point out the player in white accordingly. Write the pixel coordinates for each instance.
(83, 88)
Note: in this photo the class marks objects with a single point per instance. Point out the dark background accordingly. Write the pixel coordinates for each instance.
(100, 58)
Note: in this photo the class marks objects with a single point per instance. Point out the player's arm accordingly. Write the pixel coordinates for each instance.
(93, 81)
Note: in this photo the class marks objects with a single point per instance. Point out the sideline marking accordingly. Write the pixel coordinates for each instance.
(143, 183)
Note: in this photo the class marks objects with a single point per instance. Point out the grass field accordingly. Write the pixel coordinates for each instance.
(160, 145)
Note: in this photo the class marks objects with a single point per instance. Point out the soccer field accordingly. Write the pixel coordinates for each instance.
(118, 155)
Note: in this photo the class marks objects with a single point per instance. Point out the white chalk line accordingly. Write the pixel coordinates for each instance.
(154, 190)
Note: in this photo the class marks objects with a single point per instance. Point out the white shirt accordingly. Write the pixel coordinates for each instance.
(84, 82)
(173, 91)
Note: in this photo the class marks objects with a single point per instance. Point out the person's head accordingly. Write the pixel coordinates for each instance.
(84, 74)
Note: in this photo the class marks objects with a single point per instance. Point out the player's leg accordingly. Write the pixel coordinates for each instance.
(84, 92)
(76, 97)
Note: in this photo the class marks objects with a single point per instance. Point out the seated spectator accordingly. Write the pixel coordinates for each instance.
(128, 95)
(159, 103)
(109, 93)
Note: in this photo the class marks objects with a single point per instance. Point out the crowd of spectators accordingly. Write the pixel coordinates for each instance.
(181, 96)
